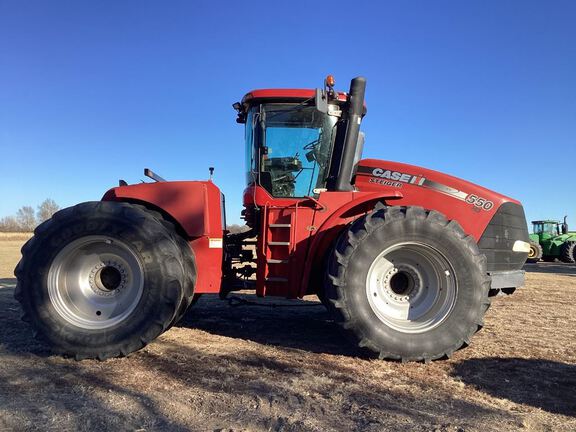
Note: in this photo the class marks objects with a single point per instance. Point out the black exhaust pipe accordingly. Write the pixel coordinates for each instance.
(355, 112)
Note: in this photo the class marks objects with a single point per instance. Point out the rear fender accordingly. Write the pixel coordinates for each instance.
(196, 207)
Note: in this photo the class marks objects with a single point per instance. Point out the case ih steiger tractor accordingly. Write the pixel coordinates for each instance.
(405, 258)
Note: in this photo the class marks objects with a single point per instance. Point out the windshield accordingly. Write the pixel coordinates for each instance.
(551, 228)
(545, 227)
(289, 148)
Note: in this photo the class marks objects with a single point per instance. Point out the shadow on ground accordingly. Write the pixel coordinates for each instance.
(543, 384)
(16, 336)
(298, 324)
(551, 268)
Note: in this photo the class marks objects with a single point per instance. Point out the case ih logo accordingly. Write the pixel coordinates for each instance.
(392, 178)
(398, 176)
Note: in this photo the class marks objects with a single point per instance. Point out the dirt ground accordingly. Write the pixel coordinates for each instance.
(282, 366)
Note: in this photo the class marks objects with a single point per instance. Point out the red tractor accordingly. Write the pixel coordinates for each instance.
(405, 258)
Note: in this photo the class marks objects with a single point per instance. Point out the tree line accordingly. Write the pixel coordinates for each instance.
(26, 218)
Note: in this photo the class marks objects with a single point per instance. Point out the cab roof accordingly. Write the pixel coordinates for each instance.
(283, 94)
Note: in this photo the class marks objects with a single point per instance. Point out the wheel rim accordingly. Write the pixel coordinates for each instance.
(411, 287)
(532, 252)
(95, 282)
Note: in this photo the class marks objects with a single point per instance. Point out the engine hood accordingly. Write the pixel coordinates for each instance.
(473, 206)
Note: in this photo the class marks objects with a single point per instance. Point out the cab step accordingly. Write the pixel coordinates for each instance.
(276, 279)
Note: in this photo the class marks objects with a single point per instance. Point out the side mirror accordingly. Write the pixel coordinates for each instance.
(321, 100)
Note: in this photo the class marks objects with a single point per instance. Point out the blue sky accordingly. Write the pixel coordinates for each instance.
(91, 92)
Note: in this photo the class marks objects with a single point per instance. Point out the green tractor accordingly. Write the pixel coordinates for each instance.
(550, 240)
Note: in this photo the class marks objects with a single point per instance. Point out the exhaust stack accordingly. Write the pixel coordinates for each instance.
(348, 153)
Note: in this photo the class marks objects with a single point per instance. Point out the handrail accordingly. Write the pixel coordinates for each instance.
(265, 233)
(318, 203)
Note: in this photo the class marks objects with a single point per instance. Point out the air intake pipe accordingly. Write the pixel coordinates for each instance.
(354, 117)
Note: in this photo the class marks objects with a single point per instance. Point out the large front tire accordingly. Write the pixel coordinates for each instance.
(100, 279)
(408, 284)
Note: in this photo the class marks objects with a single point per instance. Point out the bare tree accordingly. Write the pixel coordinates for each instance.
(46, 210)
(26, 218)
(9, 224)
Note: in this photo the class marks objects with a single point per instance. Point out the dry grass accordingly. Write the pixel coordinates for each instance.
(14, 236)
(287, 369)
(10, 246)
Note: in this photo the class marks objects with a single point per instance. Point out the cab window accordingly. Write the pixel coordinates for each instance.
(295, 149)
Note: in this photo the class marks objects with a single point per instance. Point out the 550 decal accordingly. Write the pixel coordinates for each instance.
(482, 203)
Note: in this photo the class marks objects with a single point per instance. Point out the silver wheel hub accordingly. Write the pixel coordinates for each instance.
(411, 287)
(103, 278)
(95, 282)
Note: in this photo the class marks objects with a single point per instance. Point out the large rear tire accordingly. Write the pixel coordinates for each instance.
(535, 253)
(100, 280)
(408, 284)
(568, 252)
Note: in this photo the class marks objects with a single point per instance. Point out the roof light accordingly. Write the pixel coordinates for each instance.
(330, 81)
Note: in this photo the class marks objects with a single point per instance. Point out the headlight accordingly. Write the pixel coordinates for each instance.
(521, 246)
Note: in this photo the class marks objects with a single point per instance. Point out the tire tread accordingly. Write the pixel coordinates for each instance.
(347, 244)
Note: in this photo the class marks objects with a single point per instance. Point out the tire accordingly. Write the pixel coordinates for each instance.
(188, 262)
(535, 253)
(195, 299)
(383, 269)
(568, 252)
(100, 280)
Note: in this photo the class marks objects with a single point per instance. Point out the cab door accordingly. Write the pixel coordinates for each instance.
(289, 173)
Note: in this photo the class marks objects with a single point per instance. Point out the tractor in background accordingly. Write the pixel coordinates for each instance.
(406, 259)
(551, 239)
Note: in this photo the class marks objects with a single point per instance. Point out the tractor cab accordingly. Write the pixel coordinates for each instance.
(301, 142)
(549, 228)
(302, 146)
(288, 147)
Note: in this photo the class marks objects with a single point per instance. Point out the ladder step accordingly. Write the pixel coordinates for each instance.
(276, 261)
(276, 279)
(276, 243)
(280, 225)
